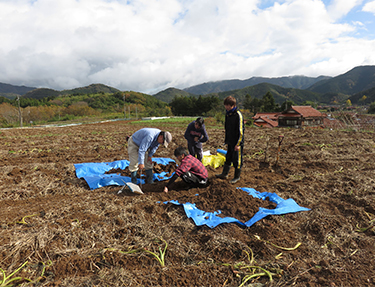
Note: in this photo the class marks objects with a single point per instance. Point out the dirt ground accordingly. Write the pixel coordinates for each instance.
(63, 234)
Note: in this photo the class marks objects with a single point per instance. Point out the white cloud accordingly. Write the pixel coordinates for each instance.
(339, 8)
(369, 7)
(149, 45)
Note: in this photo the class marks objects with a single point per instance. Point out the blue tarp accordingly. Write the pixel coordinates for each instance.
(211, 219)
(94, 172)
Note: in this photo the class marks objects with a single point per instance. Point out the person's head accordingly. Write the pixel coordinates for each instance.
(229, 103)
(180, 153)
(164, 138)
(199, 123)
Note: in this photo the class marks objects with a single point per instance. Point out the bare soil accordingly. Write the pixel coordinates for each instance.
(69, 235)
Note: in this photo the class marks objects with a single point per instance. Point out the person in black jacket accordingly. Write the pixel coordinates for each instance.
(234, 138)
(195, 135)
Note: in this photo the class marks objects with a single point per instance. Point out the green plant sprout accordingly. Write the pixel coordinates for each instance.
(274, 245)
(23, 219)
(251, 268)
(161, 257)
(5, 282)
(124, 252)
(49, 263)
(364, 229)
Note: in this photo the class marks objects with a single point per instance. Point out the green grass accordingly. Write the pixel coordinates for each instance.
(180, 122)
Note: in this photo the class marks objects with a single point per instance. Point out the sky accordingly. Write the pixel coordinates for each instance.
(150, 45)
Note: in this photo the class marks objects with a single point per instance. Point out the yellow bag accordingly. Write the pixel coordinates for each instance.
(213, 160)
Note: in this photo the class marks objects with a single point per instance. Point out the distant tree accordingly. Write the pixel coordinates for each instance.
(348, 103)
(310, 103)
(286, 105)
(371, 110)
(363, 99)
(269, 104)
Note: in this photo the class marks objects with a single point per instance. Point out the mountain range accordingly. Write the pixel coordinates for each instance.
(352, 85)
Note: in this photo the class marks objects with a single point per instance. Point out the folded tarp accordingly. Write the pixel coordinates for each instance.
(94, 172)
(211, 219)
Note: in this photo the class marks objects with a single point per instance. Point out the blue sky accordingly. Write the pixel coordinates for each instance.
(150, 45)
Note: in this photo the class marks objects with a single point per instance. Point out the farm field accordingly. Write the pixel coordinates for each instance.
(63, 234)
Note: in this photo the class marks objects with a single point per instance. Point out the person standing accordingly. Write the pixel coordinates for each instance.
(191, 170)
(141, 147)
(195, 135)
(234, 138)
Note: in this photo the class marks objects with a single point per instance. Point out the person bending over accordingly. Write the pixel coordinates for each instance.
(195, 135)
(191, 170)
(141, 147)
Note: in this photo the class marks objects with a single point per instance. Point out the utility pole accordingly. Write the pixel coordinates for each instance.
(124, 107)
(19, 111)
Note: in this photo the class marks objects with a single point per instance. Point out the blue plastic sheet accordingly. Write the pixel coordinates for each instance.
(211, 219)
(94, 172)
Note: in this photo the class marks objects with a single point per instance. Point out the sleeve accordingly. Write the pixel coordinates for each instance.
(241, 129)
(204, 135)
(187, 133)
(153, 150)
(225, 126)
(143, 147)
(172, 180)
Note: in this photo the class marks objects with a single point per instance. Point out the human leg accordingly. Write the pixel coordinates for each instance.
(227, 164)
(237, 163)
(148, 169)
(191, 149)
(193, 180)
(199, 152)
(133, 158)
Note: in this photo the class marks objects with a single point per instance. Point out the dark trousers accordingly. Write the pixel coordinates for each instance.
(194, 150)
(235, 157)
(193, 180)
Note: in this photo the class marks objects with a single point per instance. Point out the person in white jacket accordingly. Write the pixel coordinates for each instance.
(141, 147)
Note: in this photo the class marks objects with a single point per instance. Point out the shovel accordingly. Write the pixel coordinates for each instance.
(281, 137)
(133, 188)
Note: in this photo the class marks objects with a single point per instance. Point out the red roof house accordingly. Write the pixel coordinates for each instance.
(301, 116)
(268, 120)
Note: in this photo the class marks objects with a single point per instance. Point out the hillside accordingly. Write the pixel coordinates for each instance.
(11, 91)
(280, 94)
(354, 81)
(168, 94)
(41, 93)
(297, 82)
(358, 97)
(91, 89)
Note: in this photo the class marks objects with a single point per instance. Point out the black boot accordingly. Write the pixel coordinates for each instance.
(134, 177)
(224, 174)
(237, 173)
(149, 176)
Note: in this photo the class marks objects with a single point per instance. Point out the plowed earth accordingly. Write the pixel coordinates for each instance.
(69, 235)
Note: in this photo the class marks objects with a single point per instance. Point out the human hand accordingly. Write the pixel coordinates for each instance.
(196, 139)
(237, 148)
(141, 166)
(165, 189)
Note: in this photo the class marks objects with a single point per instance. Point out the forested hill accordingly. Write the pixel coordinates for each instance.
(354, 81)
(297, 82)
(169, 94)
(11, 91)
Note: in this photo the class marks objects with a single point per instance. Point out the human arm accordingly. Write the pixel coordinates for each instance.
(187, 134)
(240, 131)
(204, 136)
(142, 166)
(171, 180)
